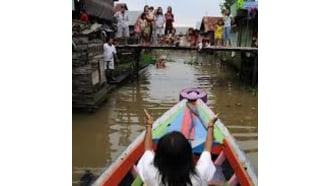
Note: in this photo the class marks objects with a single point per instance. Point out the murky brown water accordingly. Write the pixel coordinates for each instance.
(100, 137)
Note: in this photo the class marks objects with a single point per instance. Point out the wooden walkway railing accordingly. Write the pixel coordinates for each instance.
(243, 49)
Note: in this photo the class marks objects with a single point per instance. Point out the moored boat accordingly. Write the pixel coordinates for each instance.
(189, 116)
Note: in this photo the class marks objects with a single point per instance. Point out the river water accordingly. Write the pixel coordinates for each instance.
(98, 138)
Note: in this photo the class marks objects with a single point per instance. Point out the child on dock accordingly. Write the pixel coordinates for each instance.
(145, 29)
(218, 32)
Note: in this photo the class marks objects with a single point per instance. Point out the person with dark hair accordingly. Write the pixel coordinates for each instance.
(141, 28)
(228, 21)
(159, 25)
(218, 32)
(169, 21)
(172, 164)
(150, 19)
(122, 23)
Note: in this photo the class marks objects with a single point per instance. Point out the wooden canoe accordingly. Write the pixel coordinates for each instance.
(233, 168)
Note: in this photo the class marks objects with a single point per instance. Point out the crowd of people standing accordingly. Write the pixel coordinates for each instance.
(154, 26)
(153, 23)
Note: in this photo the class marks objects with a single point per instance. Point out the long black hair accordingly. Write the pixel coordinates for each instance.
(174, 160)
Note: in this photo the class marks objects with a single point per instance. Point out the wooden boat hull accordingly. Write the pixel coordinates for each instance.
(233, 167)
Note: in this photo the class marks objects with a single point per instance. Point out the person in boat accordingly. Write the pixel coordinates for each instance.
(172, 163)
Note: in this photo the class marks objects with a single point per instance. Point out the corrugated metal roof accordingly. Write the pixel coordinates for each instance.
(99, 8)
(208, 23)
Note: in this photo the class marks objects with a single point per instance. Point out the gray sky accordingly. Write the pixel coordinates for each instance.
(186, 12)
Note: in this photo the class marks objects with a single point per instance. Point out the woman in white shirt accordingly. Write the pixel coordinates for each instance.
(122, 23)
(172, 163)
(159, 24)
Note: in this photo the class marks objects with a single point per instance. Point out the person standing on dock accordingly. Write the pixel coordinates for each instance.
(146, 29)
(150, 19)
(122, 23)
(110, 54)
(142, 23)
(169, 21)
(228, 20)
(159, 24)
(218, 29)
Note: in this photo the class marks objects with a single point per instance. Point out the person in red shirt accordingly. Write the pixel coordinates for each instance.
(84, 16)
(169, 21)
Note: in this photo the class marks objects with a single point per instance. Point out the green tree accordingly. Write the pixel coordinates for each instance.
(228, 3)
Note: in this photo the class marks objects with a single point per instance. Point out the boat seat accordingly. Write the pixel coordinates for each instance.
(220, 159)
(218, 178)
(233, 180)
(218, 183)
(137, 181)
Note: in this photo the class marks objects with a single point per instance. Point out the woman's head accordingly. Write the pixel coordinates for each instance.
(146, 8)
(227, 12)
(174, 159)
(159, 10)
(123, 8)
(169, 9)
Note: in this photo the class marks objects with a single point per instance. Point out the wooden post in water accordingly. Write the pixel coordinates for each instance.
(137, 54)
(255, 70)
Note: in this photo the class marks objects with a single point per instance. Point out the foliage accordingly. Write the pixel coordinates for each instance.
(240, 3)
(146, 59)
(128, 66)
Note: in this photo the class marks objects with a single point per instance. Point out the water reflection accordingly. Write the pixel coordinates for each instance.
(100, 137)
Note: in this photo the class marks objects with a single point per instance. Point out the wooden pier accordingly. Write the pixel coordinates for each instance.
(239, 49)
